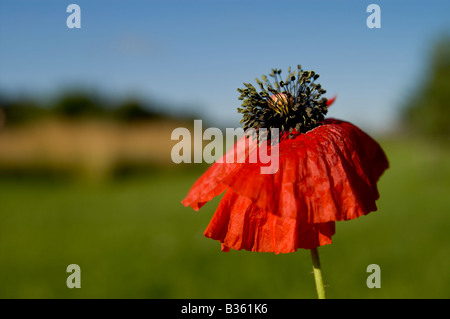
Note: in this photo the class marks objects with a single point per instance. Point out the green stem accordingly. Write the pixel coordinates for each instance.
(317, 273)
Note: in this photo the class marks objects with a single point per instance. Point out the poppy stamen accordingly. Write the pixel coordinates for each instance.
(294, 104)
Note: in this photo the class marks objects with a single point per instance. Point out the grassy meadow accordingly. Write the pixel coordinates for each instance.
(132, 238)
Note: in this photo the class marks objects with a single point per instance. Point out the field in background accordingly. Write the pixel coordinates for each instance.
(89, 149)
(133, 239)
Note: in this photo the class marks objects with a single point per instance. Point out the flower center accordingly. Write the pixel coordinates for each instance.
(291, 105)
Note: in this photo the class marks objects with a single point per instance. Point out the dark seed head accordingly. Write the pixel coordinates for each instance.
(293, 106)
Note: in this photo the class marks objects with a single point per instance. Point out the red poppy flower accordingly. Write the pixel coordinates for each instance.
(327, 171)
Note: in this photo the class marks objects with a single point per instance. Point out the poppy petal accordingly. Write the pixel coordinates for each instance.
(325, 175)
(239, 224)
(331, 101)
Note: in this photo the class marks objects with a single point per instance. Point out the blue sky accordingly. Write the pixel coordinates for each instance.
(194, 54)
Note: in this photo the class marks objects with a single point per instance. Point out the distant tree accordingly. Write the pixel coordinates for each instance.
(428, 113)
(133, 110)
(20, 110)
(82, 104)
(78, 104)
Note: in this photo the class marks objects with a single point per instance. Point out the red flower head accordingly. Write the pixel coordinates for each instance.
(327, 171)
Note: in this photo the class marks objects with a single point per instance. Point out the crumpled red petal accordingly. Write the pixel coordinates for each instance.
(239, 224)
(327, 174)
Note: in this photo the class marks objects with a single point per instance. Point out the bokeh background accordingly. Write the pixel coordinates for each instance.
(86, 117)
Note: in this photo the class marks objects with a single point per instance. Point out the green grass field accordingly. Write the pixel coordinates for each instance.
(133, 239)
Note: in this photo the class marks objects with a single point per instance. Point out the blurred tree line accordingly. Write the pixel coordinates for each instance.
(77, 105)
(428, 112)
